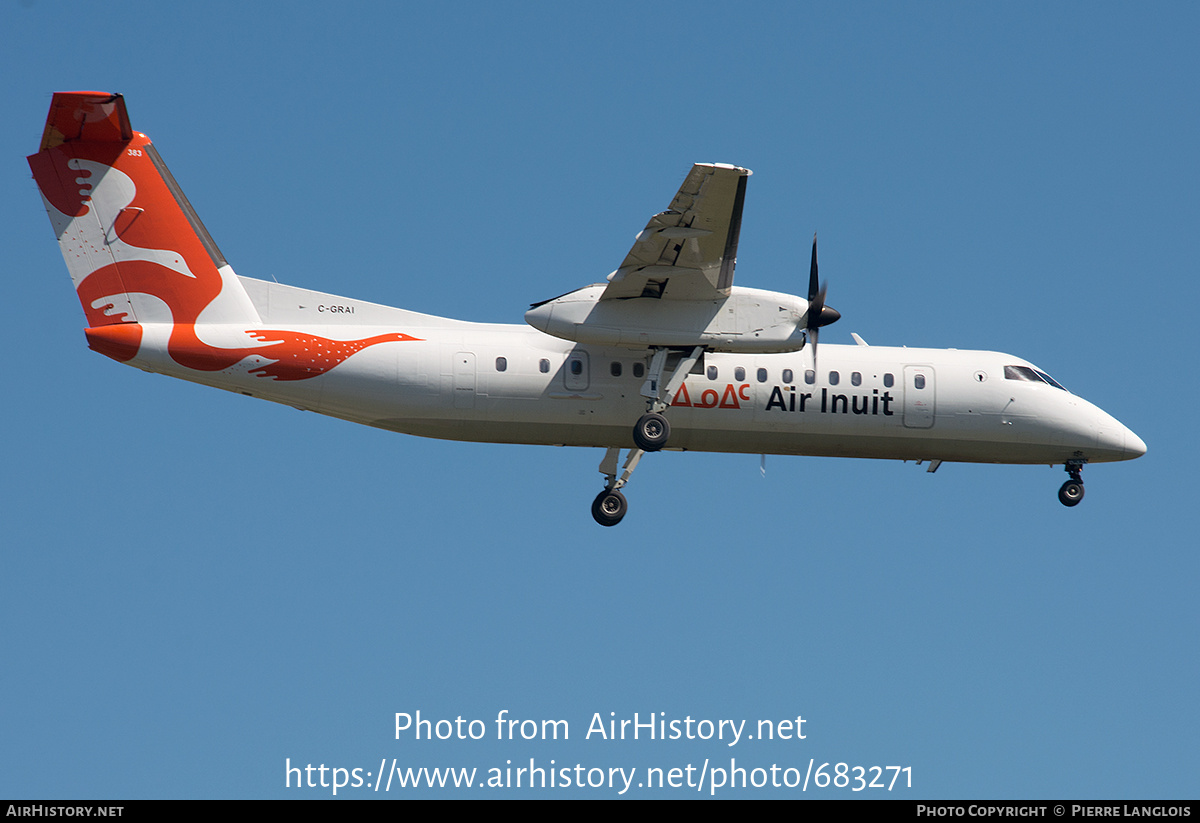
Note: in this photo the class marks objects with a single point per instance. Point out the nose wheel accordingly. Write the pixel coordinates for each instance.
(1071, 492)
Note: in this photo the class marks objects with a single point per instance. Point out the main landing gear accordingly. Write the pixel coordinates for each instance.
(650, 434)
(1071, 492)
(609, 507)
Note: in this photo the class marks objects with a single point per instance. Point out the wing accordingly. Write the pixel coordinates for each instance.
(688, 251)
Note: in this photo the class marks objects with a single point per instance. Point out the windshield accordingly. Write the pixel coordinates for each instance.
(1030, 375)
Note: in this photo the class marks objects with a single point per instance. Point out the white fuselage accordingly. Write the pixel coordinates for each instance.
(515, 384)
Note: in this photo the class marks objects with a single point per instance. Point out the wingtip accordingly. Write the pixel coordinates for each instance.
(743, 171)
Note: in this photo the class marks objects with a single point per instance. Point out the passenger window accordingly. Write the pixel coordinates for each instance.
(615, 368)
(762, 375)
(576, 367)
(787, 375)
(501, 363)
(712, 372)
(639, 369)
(544, 366)
(810, 376)
(919, 381)
(739, 374)
(855, 378)
(834, 378)
(889, 381)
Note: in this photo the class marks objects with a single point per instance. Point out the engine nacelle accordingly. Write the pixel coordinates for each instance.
(748, 320)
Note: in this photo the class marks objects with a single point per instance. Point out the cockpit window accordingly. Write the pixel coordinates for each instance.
(1029, 375)
(1021, 373)
(1050, 380)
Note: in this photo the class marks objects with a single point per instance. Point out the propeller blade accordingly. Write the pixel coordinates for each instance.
(816, 304)
(812, 271)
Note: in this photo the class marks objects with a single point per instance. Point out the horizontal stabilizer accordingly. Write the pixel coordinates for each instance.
(93, 116)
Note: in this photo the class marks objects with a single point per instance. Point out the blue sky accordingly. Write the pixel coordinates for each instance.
(200, 586)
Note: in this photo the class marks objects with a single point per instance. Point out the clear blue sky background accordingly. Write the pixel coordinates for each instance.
(197, 585)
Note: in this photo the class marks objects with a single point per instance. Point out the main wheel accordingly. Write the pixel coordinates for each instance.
(651, 432)
(1070, 493)
(609, 507)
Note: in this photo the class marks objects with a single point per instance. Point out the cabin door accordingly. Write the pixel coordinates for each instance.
(464, 380)
(919, 397)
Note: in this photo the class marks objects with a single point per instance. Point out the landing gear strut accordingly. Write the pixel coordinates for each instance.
(650, 433)
(610, 505)
(1071, 492)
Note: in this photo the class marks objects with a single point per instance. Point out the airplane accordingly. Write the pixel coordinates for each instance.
(665, 353)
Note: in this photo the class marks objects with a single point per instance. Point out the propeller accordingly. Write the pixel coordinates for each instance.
(818, 313)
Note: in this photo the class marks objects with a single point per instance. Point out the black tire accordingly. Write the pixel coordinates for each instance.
(609, 507)
(1070, 493)
(651, 432)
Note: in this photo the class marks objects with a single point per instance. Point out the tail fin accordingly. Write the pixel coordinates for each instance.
(136, 250)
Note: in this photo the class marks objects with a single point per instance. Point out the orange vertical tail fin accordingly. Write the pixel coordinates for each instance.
(136, 250)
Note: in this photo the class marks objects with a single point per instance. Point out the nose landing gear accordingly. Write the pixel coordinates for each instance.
(1071, 492)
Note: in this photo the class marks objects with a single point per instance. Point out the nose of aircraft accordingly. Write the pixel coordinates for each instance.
(1134, 445)
(1116, 439)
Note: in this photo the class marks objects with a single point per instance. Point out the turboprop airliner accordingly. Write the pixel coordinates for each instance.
(665, 353)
